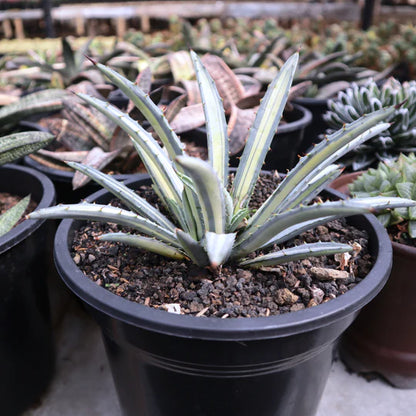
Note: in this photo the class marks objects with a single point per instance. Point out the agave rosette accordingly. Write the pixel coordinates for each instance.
(209, 221)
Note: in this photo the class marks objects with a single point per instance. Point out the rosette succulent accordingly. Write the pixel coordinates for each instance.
(391, 179)
(209, 219)
(356, 101)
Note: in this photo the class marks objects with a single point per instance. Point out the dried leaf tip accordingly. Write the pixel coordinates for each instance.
(94, 62)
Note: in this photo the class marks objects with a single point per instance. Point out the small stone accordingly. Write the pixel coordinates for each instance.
(317, 294)
(297, 307)
(172, 308)
(91, 258)
(244, 274)
(312, 302)
(324, 274)
(285, 297)
(77, 258)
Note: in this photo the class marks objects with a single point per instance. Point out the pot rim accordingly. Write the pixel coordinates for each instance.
(216, 329)
(27, 227)
(299, 124)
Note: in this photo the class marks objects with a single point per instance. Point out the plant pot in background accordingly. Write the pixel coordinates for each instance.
(166, 364)
(26, 347)
(383, 338)
(318, 107)
(286, 144)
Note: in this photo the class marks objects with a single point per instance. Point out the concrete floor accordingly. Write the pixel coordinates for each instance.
(83, 383)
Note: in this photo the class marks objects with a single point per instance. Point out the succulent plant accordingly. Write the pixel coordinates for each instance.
(13, 147)
(391, 179)
(359, 100)
(210, 221)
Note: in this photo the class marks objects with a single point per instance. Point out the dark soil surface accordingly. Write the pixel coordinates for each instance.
(235, 292)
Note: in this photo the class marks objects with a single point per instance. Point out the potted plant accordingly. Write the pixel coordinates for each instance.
(383, 339)
(165, 363)
(26, 346)
(358, 100)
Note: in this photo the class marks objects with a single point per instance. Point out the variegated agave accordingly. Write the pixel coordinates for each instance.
(209, 224)
(397, 179)
(359, 100)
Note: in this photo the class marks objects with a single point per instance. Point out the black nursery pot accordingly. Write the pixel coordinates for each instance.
(174, 365)
(285, 146)
(318, 107)
(26, 347)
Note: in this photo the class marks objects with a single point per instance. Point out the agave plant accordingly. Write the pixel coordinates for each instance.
(359, 100)
(393, 178)
(13, 147)
(210, 220)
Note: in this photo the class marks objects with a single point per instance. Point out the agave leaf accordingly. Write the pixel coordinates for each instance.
(412, 229)
(261, 134)
(79, 56)
(218, 247)
(157, 163)
(37, 102)
(107, 213)
(146, 243)
(209, 191)
(296, 253)
(217, 139)
(149, 109)
(14, 146)
(315, 186)
(95, 158)
(181, 66)
(251, 240)
(306, 69)
(126, 195)
(10, 217)
(193, 248)
(318, 159)
(69, 57)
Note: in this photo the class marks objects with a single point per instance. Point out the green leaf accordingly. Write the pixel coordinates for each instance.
(412, 229)
(17, 145)
(296, 253)
(261, 134)
(126, 195)
(146, 243)
(107, 213)
(193, 248)
(405, 189)
(251, 240)
(155, 160)
(321, 156)
(217, 138)
(209, 191)
(10, 217)
(149, 109)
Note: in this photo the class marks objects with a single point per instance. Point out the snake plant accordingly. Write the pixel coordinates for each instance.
(393, 178)
(210, 221)
(358, 100)
(12, 147)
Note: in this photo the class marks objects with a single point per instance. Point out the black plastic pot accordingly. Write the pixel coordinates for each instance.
(318, 107)
(170, 365)
(63, 182)
(26, 347)
(286, 145)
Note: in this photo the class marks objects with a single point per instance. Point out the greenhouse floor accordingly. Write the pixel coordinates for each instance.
(83, 384)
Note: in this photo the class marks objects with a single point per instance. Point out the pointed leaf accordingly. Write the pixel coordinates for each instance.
(193, 248)
(10, 217)
(146, 243)
(296, 253)
(219, 247)
(261, 134)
